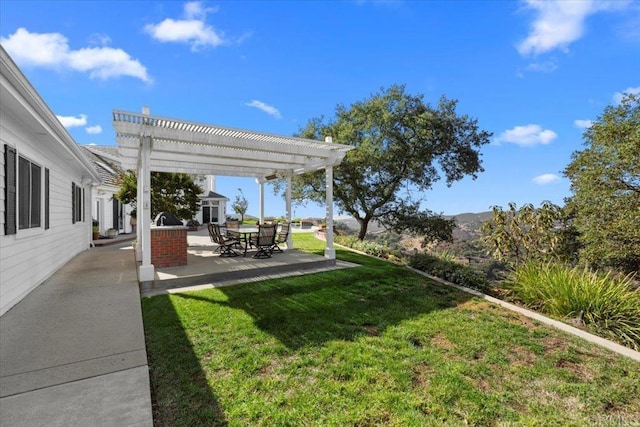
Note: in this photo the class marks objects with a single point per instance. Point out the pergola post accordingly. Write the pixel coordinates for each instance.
(261, 202)
(139, 186)
(288, 211)
(329, 251)
(146, 272)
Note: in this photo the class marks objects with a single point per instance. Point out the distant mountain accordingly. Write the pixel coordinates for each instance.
(467, 224)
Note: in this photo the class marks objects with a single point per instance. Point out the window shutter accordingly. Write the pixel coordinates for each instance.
(9, 190)
(73, 202)
(46, 199)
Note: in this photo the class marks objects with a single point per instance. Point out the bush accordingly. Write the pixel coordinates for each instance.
(607, 304)
(450, 271)
(370, 248)
(193, 223)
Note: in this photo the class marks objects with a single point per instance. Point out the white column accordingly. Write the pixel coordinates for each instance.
(139, 187)
(329, 251)
(146, 272)
(288, 212)
(261, 198)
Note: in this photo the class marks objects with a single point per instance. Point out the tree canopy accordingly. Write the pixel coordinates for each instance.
(605, 182)
(240, 205)
(170, 192)
(403, 146)
(519, 235)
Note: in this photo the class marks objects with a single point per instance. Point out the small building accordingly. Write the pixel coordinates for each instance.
(213, 206)
(45, 189)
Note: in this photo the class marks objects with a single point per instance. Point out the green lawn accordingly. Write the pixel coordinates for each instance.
(372, 345)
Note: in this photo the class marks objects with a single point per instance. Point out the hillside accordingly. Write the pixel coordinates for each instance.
(467, 225)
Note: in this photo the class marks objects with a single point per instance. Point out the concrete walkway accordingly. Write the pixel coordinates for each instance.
(72, 353)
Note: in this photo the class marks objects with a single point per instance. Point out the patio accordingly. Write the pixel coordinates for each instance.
(153, 143)
(206, 269)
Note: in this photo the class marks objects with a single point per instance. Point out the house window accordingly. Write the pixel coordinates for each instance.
(46, 199)
(77, 198)
(24, 193)
(29, 194)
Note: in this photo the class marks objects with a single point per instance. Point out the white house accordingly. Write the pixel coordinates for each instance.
(109, 212)
(45, 215)
(213, 206)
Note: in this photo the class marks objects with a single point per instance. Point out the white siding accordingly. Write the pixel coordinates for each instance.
(31, 256)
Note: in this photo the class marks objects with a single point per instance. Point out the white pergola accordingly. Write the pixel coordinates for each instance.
(151, 143)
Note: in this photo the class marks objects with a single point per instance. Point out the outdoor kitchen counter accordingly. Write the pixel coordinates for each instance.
(168, 246)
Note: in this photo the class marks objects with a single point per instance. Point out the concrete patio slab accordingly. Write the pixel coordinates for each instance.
(206, 268)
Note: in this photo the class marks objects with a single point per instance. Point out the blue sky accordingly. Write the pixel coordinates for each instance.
(533, 73)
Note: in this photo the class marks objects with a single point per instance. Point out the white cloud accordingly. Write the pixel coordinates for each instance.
(192, 30)
(559, 23)
(72, 122)
(617, 97)
(194, 10)
(94, 130)
(542, 67)
(527, 135)
(51, 50)
(272, 111)
(583, 124)
(547, 178)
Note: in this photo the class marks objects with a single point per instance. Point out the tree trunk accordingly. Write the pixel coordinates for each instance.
(364, 223)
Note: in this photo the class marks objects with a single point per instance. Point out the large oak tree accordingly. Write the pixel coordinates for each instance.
(403, 146)
(605, 181)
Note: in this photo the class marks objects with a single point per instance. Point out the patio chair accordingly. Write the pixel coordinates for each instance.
(225, 244)
(264, 240)
(230, 229)
(281, 236)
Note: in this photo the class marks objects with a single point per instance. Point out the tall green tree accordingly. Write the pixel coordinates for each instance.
(518, 235)
(605, 182)
(240, 205)
(170, 192)
(403, 146)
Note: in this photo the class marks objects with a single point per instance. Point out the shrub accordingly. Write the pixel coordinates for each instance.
(607, 304)
(371, 248)
(450, 271)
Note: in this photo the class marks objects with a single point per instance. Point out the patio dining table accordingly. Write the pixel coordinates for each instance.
(243, 235)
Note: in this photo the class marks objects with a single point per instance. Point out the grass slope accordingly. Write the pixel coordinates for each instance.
(372, 345)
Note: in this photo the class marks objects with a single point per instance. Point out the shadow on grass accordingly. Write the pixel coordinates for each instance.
(180, 393)
(339, 305)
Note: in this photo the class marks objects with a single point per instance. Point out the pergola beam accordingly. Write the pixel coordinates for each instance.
(129, 148)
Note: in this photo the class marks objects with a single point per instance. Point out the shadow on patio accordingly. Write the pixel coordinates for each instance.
(205, 268)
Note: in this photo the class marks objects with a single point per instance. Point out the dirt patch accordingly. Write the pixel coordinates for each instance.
(480, 384)
(555, 344)
(521, 356)
(371, 330)
(422, 376)
(577, 369)
(440, 341)
(474, 305)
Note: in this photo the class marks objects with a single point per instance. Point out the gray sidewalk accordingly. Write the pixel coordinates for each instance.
(72, 353)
